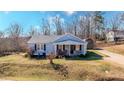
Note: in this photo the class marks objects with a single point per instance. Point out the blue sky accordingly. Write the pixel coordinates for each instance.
(27, 19)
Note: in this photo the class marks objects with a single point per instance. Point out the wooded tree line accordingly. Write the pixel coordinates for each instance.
(86, 26)
(14, 41)
(89, 25)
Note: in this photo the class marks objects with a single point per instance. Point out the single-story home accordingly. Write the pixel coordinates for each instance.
(67, 45)
(112, 35)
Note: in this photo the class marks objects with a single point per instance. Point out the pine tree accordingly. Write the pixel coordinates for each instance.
(98, 19)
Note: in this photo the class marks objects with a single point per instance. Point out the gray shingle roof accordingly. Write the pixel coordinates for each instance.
(45, 38)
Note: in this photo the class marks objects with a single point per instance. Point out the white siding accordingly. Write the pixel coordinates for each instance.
(50, 49)
(110, 36)
(84, 48)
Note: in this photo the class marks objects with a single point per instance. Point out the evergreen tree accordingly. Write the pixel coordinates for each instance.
(98, 19)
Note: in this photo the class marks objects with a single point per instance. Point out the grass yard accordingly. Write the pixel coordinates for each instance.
(116, 49)
(18, 67)
(91, 55)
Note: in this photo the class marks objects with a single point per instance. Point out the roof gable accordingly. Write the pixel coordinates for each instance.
(70, 37)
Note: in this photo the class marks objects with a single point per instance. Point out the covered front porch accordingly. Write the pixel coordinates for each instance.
(70, 48)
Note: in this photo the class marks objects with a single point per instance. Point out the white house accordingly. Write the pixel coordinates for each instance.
(69, 44)
(116, 34)
(110, 36)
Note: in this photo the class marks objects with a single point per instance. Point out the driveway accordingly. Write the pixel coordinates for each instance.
(113, 57)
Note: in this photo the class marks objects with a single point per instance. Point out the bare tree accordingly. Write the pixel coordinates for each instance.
(51, 56)
(85, 25)
(82, 26)
(1, 34)
(32, 31)
(45, 27)
(68, 27)
(75, 25)
(91, 23)
(58, 25)
(15, 31)
(115, 22)
(1, 42)
(72, 26)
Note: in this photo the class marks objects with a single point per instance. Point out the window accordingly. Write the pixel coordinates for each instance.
(42, 47)
(77, 47)
(67, 47)
(60, 47)
(72, 49)
(38, 46)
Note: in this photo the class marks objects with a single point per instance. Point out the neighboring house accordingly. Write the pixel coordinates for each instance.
(113, 35)
(67, 44)
(110, 36)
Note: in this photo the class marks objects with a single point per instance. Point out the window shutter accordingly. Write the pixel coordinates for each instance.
(35, 47)
(44, 47)
(80, 47)
(57, 47)
(63, 47)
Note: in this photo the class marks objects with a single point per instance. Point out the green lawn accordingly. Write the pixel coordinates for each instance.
(18, 67)
(91, 55)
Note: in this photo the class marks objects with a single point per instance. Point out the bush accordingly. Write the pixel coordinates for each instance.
(26, 55)
(81, 55)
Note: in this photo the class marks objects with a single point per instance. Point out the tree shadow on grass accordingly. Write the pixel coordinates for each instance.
(89, 56)
(40, 57)
(61, 69)
(98, 48)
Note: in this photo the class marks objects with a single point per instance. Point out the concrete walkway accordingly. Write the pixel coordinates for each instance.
(113, 57)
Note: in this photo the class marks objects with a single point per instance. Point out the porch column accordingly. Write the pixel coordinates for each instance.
(69, 49)
(85, 48)
(82, 49)
(55, 49)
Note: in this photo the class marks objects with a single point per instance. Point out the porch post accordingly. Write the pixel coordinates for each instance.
(69, 50)
(82, 48)
(55, 49)
(85, 48)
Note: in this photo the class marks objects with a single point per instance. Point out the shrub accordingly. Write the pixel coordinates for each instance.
(26, 55)
(81, 55)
